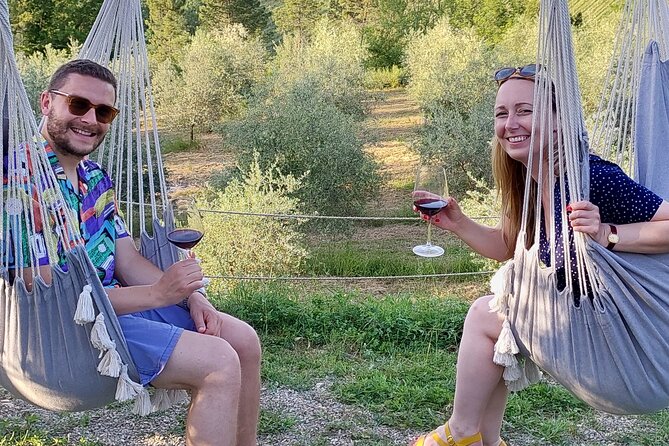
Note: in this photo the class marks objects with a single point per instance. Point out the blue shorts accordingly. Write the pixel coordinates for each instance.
(151, 337)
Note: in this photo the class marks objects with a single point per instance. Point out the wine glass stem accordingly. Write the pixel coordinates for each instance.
(429, 232)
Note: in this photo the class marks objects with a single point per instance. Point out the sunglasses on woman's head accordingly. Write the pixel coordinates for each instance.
(79, 106)
(504, 74)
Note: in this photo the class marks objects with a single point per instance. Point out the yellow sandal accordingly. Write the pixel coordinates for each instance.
(450, 441)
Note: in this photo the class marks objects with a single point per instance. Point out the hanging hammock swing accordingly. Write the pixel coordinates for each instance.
(609, 347)
(61, 344)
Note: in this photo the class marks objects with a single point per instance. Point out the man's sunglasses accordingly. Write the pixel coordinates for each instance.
(79, 106)
(504, 74)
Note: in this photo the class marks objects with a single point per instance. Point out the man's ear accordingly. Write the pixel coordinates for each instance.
(45, 102)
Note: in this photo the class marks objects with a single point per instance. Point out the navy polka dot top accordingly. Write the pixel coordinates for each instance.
(620, 200)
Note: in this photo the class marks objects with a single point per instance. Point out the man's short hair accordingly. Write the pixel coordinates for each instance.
(84, 67)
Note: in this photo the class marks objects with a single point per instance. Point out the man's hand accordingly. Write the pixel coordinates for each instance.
(207, 319)
(179, 281)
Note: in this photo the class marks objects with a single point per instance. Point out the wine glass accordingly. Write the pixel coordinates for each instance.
(188, 228)
(429, 197)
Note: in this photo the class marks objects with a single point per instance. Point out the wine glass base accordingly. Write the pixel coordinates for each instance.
(428, 250)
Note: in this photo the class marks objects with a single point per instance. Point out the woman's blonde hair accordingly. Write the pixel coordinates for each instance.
(510, 176)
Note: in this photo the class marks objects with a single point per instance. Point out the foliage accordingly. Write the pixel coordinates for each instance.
(212, 82)
(299, 16)
(380, 78)
(391, 24)
(332, 58)
(449, 77)
(384, 324)
(36, 70)
(37, 24)
(593, 46)
(167, 33)
(218, 14)
(240, 245)
(306, 136)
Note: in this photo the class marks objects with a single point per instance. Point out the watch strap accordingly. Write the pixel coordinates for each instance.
(614, 231)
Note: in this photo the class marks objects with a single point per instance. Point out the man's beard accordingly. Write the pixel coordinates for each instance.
(57, 129)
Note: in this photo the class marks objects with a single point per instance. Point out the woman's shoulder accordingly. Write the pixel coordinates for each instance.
(600, 166)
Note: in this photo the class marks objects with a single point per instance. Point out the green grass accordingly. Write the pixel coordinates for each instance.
(382, 258)
(395, 356)
(26, 431)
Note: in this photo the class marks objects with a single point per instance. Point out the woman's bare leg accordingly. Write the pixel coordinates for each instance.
(477, 396)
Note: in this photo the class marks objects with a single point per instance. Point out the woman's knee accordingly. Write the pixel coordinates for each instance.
(479, 315)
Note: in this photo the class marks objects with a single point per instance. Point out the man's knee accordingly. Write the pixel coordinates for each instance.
(247, 345)
(222, 364)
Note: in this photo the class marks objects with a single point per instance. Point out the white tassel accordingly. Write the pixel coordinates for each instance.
(519, 384)
(163, 399)
(111, 364)
(142, 403)
(100, 336)
(160, 400)
(501, 285)
(177, 395)
(512, 373)
(127, 389)
(532, 372)
(505, 347)
(85, 312)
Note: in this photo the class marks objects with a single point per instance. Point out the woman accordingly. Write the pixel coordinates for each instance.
(631, 219)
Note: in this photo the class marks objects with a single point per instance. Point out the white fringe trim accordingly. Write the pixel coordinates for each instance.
(85, 312)
(163, 399)
(501, 286)
(111, 364)
(100, 336)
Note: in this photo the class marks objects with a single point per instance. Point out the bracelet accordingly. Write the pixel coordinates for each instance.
(202, 291)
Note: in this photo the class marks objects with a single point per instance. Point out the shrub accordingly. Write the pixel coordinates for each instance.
(307, 136)
(332, 59)
(36, 70)
(380, 78)
(249, 245)
(212, 82)
(449, 76)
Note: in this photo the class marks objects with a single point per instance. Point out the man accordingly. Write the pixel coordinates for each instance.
(212, 354)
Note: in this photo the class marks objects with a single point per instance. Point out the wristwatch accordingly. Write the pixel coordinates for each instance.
(612, 238)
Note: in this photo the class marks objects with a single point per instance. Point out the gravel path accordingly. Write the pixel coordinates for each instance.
(298, 418)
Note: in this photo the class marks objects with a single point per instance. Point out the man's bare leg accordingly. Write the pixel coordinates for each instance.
(244, 340)
(209, 367)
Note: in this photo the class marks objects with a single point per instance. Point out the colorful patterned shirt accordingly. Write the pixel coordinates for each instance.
(99, 222)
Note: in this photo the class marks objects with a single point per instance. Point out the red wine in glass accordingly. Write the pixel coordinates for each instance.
(185, 238)
(188, 228)
(429, 194)
(430, 206)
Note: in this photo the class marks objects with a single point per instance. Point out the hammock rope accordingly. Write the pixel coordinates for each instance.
(63, 348)
(606, 345)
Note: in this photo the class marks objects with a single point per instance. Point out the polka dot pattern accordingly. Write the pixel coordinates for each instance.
(620, 200)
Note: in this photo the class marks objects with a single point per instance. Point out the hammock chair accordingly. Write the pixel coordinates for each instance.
(608, 347)
(61, 344)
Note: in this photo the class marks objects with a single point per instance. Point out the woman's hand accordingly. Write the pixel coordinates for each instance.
(447, 218)
(584, 217)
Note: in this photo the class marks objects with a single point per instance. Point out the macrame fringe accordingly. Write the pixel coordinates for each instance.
(85, 312)
(501, 287)
(111, 364)
(100, 336)
(127, 389)
(163, 399)
(142, 405)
